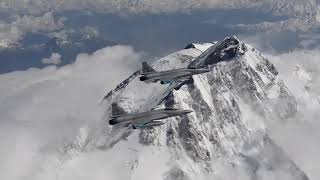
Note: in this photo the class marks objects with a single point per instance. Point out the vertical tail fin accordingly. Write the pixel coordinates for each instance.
(146, 68)
(116, 110)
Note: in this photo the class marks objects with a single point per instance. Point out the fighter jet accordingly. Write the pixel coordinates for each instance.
(149, 75)
(142, 119)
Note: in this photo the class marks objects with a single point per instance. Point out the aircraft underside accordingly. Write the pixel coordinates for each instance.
(148, 125)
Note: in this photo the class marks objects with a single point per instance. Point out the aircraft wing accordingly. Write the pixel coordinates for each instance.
(116, 116)
(124, 124)
(138, 125)
(182, 79)
(149, 124)
(141, 122)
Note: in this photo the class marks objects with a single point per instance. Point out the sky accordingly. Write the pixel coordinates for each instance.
(43, 108)
(155, 28)
(158, 27)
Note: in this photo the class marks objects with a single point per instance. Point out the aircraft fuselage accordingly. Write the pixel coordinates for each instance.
(139, 119)
(171, 75)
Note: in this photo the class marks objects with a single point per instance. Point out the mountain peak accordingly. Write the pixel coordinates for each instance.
(231, 107)
(225, 50)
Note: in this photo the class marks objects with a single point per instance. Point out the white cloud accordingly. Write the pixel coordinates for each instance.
(289, 7)
(43, 109)
(309, 40)
(53, 59)
(89, 32)
(15, 30)
(294, 25)
(37, 19)
(299, 136)
(45, 22)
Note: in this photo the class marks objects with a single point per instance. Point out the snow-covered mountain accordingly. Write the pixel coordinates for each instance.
(227, 131)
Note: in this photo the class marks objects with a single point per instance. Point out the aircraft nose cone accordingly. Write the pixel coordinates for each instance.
(187, 111)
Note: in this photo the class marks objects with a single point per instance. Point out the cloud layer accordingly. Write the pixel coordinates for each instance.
(53, 59)
(43, 109)
(299, 137)
(289, 7)
(12, 31)
(43, 15)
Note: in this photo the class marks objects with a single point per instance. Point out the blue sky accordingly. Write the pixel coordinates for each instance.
(157, 28)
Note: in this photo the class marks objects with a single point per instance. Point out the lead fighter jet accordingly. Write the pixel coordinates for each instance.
(143, 119)
(149, 75)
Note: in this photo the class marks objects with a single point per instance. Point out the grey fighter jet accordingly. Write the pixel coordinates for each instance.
(149, 75)
(143, 119)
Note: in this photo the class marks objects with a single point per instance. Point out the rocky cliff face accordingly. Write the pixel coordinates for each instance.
(231, 105)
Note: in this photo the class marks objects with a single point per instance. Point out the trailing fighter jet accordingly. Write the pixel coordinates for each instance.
(149, 75)
(143, 119)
